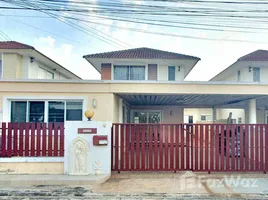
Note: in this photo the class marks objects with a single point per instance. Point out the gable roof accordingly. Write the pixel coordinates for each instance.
(142, 53)
(13, 45)
(259, 55)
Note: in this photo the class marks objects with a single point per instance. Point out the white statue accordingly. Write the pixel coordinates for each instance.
(79, 157)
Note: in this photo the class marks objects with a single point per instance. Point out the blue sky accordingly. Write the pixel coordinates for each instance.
(68, 51)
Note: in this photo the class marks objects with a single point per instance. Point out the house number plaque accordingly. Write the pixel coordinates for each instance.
(87, 130)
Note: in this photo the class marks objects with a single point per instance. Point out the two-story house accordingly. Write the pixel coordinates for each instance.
(21, 61)
(142, 64)
(252, 67)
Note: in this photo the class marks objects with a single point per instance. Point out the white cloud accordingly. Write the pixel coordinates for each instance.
(67, 56)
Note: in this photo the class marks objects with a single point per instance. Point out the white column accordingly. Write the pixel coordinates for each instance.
(120, 110)
(252, 111)
(214, 114)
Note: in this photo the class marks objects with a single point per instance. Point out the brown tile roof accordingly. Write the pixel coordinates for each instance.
(259, 55)
(14, 45)
(142, 53)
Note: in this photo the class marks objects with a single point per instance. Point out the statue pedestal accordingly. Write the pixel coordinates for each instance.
(82, 156)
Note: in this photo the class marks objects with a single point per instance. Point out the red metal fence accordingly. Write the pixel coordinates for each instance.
(197, 147)
(31, 139)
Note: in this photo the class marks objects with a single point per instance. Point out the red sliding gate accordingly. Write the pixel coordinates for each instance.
(197, 147)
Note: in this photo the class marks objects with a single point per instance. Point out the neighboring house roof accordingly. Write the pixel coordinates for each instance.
(259, 55)
(13, 45)
(141, 53)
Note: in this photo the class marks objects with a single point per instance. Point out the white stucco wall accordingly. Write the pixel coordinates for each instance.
(246, 75)
(197, 112)
(33, 69)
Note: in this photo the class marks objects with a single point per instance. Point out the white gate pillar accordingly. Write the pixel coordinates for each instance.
(252, 111)
(87, 148)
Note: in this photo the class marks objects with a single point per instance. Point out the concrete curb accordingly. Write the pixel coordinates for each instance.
(65, 180)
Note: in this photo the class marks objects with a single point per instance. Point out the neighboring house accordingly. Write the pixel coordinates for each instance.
(21, 61)
(142, 64)
(252, 67)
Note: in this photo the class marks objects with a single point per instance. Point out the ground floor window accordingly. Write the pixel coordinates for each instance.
(147, 116)
(46, 111)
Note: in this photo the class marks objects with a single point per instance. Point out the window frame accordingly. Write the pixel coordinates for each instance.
(7, 105)
(169, 68)
(129, 71)
(47, 71)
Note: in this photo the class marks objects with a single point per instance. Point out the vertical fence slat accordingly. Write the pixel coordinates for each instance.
(177, 156)
(9, 140)
(201, 147)
(132, 160)
(228, 148)
(242, 131)
(172, 130)
(217, 146)
(161, 161)
(44, 139)
(212, 137)
(15, 151)
(56, 139)
(182, 147)
(151, 147)
(143, 166)
(116, 133)
(187, 148)
(3, 140)
(156, 160)
(122, 147)
(166, 146)
(247, 147)
(196, 159)
(21, 139)
(32, 138)
(50, 128)
(206, 146)
(27, 139)
(261, 148)
(38, 138)
(233, 147)
(252, 144)
(61, 139)
(257, 147)
(127, 146)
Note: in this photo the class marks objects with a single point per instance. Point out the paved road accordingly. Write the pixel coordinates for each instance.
(63, 192)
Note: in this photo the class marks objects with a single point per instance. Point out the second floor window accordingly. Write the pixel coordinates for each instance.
(256, 74)
(171, 73)
(126, 72)
(45, 74)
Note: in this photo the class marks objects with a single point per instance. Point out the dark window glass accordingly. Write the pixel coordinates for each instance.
(18, 111)
(55, 111)
(74, 111)
(121, 73)
(36, 111)
(171, 73)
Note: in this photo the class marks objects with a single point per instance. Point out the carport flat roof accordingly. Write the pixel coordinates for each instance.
(197, 100)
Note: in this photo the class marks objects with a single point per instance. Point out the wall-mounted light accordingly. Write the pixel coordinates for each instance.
(249, 69)
(170, 113)
(31, 59)
(94, 103)
(179, 68)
